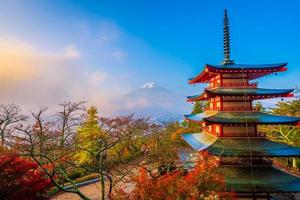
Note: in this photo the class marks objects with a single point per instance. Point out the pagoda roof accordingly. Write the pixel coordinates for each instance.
(259, 179)
(239, 146)
(255, 92)
(242, 118)
(253, 71)
(247, 66)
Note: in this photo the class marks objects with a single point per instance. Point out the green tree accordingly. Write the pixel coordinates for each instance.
(164, 148)
(193, 126)
(290, 108)
(198, 107)
(87, 135)
(259, 107)
(283, 133)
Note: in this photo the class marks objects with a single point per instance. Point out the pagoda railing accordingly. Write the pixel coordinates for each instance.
(239, 85)
(233, 109)
(237, 108)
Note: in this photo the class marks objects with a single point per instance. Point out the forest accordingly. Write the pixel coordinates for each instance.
(131, 157)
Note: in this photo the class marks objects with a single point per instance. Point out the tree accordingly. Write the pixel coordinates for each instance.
(111, 147)
(50, 144)
(198, 107)
(190, 126)
(163, 146)
(203, 181)
(284, 133)
(259, 107)
(87, 135)
(116, 148)
(20, 178)
(290, 108)
(9, 116)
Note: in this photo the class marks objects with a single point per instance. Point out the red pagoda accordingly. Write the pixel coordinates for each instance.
(229, 126)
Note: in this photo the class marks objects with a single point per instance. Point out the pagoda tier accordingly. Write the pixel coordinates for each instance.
(238, 124)
(239, 146)
(257, 179)
(242, 118)
(232, 70)
(238, 94)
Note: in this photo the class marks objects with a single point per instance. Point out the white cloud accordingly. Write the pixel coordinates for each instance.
(33, 77)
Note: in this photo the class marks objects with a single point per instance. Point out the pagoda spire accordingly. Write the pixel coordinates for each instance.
(226, 40)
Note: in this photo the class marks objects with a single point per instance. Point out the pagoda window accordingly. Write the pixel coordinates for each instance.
(240, 82)
(234, 75)
(237, 106)
(239, 131)
(235, 98)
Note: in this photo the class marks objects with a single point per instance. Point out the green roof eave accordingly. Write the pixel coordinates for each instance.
(248, 91)
(259, 179)
(241, 91)
(243, 118)
(239, 146)
(250, 117)
(200, 116)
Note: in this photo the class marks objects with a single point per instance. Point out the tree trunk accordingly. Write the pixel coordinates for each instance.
(102, 181)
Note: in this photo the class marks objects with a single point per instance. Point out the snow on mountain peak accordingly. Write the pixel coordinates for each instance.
(149, 85)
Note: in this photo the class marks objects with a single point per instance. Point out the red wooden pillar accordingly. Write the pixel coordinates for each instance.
(221, 102)
(255, 127)
(221, 80)
(221, 130)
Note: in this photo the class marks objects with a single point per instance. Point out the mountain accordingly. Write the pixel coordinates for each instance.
(153, 101)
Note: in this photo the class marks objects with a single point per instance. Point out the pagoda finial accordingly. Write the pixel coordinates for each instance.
(226, 39)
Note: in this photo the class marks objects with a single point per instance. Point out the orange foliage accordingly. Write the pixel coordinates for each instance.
(203, 180)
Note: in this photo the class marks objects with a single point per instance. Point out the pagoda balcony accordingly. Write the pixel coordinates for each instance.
(237, 108)
(243, 135)
(232, 108)
(239, 85)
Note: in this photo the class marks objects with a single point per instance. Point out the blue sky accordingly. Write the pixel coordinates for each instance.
(94, 49)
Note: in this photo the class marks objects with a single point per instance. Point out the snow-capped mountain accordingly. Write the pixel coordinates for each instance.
(152, 100)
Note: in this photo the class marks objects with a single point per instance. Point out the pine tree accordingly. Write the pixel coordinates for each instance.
(87, 135)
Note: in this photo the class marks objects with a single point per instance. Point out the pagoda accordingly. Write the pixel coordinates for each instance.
(229, 126)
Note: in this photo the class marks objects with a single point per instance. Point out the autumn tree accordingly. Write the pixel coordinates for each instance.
(111, 147)
(20, 178)
(164, 147)
(201, 182)
(9, 116)
(50, 143)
